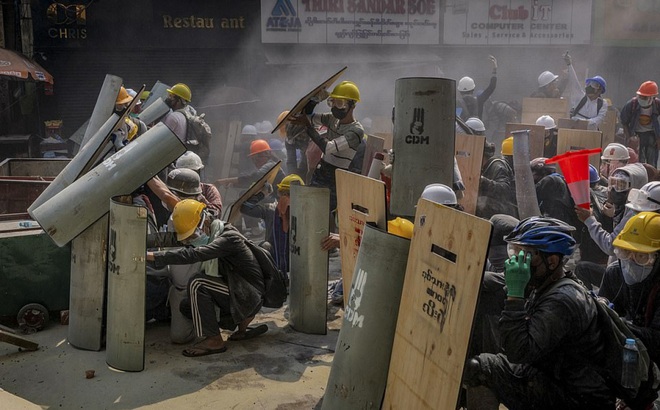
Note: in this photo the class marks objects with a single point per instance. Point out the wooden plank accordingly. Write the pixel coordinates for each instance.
(228, 148)
(382, 127)
(469, 156)
(608, 127)
(533, 108)
(15, 340)
(576, 124)
(574, 140)
(374, 144)
(360, 200)
(443, 277)
(536, 137)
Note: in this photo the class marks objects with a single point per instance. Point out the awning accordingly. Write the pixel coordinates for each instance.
(18, 67)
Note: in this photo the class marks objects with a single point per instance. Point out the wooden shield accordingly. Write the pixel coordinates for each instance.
(572, 124)
(382, 127)
(359, 200)
(536, 137)
(234, 210)
(443, 277)
(533, 108)
(608, 127)
(303, 101)
(469, 154)
(575, 140)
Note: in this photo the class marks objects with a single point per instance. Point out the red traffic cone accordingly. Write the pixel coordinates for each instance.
(575, 167)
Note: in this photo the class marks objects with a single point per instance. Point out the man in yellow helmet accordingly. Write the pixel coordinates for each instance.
(343, 141)
(178, 99)
(230, 278)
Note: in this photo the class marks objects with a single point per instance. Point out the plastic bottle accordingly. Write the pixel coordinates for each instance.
(377, 165)
(28, 224)
(629, 369)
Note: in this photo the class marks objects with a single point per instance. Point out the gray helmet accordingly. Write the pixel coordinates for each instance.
(184, 181)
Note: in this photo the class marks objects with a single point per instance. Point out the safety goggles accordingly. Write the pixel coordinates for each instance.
(514, 250)
(619, 182)
(339, 103)
(593, 84)
(640, 258)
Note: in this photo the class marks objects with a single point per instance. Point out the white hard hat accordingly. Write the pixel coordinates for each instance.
(466, 84)
(439, 193)
(546, 121)
(249, 130)
(475, 124)
(264, 127)
(645, 199)
(616, 151)
(546, 78)
(189, 160)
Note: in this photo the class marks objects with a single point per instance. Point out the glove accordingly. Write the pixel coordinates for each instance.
(517, 274)
(309, 107)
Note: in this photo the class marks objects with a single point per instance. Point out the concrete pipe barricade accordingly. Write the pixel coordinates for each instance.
(127, 248)
(71, 211)
(87, 287)
(159, 90)
(104, 107)
(75, 167)
(359, 369)
(528, 204)
(308, 289)
(154, 111)
(424, 118)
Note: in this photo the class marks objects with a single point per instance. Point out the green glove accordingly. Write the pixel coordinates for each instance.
(517, 274)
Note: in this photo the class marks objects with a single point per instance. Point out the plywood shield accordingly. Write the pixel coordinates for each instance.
(234, 210)
(608, 127)
(575, 140)
(423, 139)
(469, 154)
(72, 210)
(303, 101)
(127, 248)
(443, 277)
(88, 280)
(576, 124)
(359, 368)
(536, 137)
(533, 108)
(359, 200)
(308, 287)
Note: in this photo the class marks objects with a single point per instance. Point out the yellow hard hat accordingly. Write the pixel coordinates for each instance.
(144, 95)
(285, 185)
(400, 227)
(132, 129)
(346, 90)
(186, 216)
(123, 97)
(507, 146)
(641, 233)
(181, 90)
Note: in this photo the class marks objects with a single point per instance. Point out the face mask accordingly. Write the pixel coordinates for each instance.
(644, 102)
(339, 114)
(617, 198)
(634, 273)
(170, 102)
(590, 90)
(200, 240)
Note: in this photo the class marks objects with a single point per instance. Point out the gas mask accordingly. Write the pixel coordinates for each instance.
(339, 107)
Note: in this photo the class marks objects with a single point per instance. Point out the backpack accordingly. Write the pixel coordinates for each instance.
(578, 107)
(614, 333)
(198, 133)
(275, 280)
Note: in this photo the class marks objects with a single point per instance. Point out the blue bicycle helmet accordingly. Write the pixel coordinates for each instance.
(548, 235)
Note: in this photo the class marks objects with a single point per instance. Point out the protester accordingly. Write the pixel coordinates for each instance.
(550, 333)
(639, 118)
(497, 189)
(178, 98)
(469, 104)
